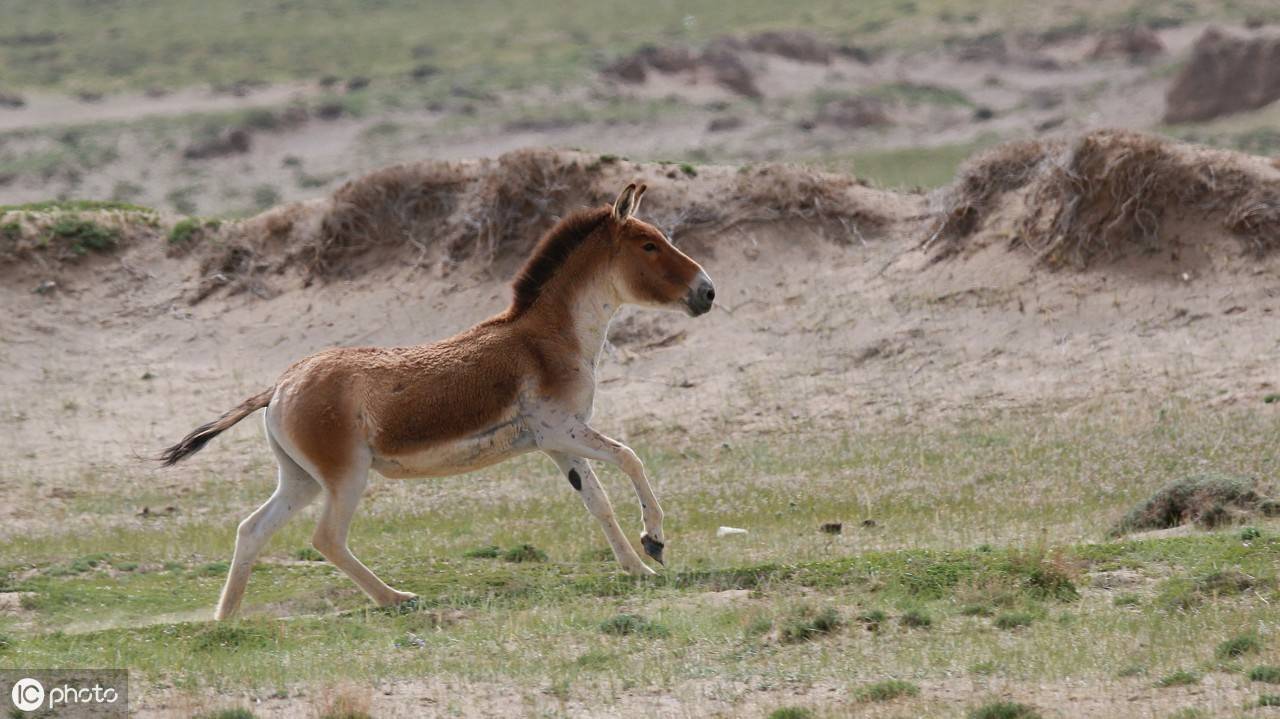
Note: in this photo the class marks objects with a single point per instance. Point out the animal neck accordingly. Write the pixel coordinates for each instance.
(577, 305)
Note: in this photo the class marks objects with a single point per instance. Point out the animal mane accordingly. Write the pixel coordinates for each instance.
(551, 252)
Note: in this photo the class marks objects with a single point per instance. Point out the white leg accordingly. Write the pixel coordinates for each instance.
(330, 539)
(576, 438)
(584, 481)
(294, 490)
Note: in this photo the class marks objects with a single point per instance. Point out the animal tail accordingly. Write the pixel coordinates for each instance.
(201, 435)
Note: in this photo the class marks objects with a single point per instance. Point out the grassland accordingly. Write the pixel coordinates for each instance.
(975, 551)
(73, 45)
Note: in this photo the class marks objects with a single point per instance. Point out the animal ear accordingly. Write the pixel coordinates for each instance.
(635, 201)
(626, 203)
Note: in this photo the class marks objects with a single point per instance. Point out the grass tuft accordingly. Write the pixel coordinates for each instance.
(1239, 646)
(1266, 673)
(226, 714)
(916, 618)
(232, 637)
(308, 554)
(1180, 678)
(807, 624)
(524, 553)
(1013, 620)
(1004, 710)
(886, 690)
(491, 551)
(791, 713)
(83, 236)
(1269, 700)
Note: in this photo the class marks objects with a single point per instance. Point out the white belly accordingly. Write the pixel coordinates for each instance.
(459, 455)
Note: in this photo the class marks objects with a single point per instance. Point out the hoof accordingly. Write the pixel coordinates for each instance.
(403, 602)
(653, 548)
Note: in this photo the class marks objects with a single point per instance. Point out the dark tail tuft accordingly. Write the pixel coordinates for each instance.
(201, 435)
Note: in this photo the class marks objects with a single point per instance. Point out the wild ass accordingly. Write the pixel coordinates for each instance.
(523, 380)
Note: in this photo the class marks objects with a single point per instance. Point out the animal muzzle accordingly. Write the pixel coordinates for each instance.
(702, 294)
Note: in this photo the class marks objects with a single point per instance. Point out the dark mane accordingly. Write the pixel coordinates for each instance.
(551, 251)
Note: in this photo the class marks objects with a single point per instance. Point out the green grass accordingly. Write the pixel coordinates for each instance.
(1002, 517)
(1004, 710)
(906, 168)
(55, 206)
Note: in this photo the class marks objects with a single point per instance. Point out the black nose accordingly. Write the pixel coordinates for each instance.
(701, 298)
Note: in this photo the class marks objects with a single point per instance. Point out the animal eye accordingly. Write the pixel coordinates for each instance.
(650, 247)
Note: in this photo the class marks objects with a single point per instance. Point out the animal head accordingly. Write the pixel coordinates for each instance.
(650, 271)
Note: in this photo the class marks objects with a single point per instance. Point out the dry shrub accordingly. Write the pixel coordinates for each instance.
(1107, 192)
(1113, 189)
(771, 193)
(520, 199)
(980, 182)
(393, 206)
(343, 701)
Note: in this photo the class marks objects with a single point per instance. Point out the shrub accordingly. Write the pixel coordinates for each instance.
(887, 690)
(1205, 499)
(1269, 700)
(628, 624)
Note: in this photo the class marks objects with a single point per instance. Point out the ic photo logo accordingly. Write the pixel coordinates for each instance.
(66, 693)
(28, 694)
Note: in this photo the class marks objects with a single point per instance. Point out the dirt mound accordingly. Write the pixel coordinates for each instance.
(728, 61)
(792, 44)
(1208, 500)
(854, 112)
(1135, 44)
(1226, 74)
(720, 61)
(1109, 192)
(440, 214)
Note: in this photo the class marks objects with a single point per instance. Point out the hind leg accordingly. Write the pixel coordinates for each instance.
(295, 489)
(330, 539)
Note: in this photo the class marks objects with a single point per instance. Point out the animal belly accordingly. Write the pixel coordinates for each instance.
(457, 456)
